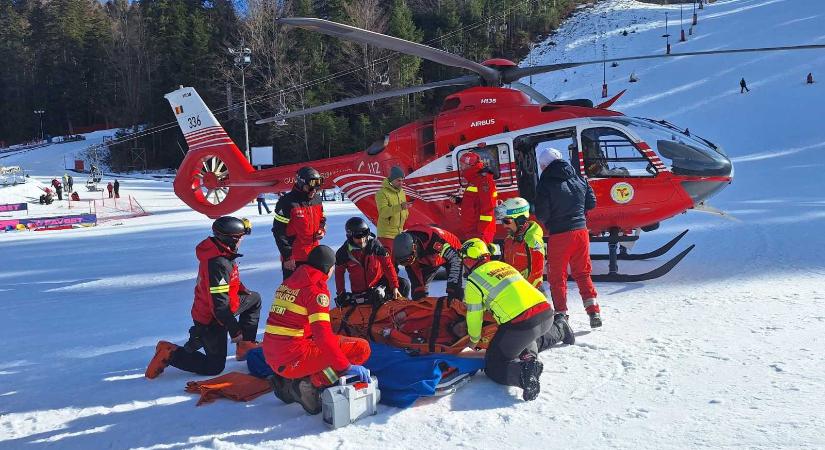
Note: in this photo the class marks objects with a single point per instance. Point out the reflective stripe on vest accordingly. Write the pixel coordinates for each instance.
(284, 331)
(289, 306)
(471, 189)
(222, 289)
(507, 307)
(281, 218)
(485, 218)
(318, 316)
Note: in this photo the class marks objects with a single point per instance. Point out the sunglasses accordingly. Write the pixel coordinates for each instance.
(507, 221)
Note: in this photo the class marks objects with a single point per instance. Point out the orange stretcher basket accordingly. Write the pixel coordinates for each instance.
(420, 327)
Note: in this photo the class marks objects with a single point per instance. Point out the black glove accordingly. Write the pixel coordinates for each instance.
(377, 295)
(455, 292)
(343, 299)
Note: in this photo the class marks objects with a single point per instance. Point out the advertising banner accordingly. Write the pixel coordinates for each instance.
(46, 223)
(12, 207)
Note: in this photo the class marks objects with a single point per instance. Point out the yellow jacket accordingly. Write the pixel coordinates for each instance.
(499, 287)
(391, 216)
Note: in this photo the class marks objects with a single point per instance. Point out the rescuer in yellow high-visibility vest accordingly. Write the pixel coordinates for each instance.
(525, 318)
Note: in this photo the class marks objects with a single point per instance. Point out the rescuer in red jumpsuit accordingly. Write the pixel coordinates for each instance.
(299, 222)
(299, 344)
(479, 201)
(422, 250)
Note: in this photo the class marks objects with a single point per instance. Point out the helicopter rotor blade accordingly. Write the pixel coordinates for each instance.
(516, 73)
(350, 33)
(530, 91)
(461, 81)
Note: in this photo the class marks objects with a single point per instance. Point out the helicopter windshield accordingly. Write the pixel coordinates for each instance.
(681, 152)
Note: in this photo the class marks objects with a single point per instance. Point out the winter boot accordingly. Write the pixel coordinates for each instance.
(530, 373)
(244, 346)
(280, 387)
(306, 394)
(566, 331)
(163, 356)
(595, 320)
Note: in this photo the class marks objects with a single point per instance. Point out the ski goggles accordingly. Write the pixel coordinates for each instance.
(315, 182)
(507, 220)
(360, 234)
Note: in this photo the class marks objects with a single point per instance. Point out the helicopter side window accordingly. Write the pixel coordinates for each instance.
(609, 153)
(490, 155)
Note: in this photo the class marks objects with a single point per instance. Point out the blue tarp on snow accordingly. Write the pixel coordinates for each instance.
(402, 378)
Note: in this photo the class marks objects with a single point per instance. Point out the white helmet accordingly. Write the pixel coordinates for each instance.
(513, 208)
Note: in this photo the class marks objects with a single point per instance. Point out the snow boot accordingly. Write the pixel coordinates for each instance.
(566, 331)
(306, 394)
(163, 356)
(595, 320)
(280, 387)
(529, 378)
(244, 346)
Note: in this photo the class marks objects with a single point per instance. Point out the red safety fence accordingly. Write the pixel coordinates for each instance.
(111, 208)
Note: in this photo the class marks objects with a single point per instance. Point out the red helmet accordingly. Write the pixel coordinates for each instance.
(469, 159)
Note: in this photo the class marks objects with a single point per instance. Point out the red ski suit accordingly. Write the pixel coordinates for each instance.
(436, 248)
(366, 266)
(216, 291)
(299, 341)
(478, 205)
(570, 248)
(525, 251)
(298, 225)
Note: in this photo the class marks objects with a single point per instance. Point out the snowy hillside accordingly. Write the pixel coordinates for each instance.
(725, 351)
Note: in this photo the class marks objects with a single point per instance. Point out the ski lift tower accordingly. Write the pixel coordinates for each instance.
(242, 59)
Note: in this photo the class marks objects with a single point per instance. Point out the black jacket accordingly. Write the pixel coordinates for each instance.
(562, 198)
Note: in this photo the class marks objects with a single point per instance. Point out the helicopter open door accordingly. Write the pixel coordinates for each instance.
(526, 148)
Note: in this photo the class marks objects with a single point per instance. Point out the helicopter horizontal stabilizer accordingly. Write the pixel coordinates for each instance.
(610, 102)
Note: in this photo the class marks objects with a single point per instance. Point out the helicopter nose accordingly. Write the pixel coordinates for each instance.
(703, 189)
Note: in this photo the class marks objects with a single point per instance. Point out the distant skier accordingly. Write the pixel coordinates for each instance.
(262, 202)
(810, 78)
(116, 187)
(59, 190)
(69, 184)
(110, 187)
(743, 87)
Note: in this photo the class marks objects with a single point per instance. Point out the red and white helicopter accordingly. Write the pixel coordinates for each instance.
(642, 171)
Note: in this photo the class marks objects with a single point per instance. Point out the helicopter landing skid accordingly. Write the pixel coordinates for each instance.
(624, 256)
(613, 274)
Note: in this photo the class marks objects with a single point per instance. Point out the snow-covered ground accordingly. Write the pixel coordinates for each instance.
(726, 351)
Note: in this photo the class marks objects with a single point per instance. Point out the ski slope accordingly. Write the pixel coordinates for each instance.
(725, 351)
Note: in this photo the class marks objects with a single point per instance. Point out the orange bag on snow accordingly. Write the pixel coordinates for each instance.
(421, 327)
(236, 386)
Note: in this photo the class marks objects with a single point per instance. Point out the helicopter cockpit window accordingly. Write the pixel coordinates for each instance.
(681, 152)
(609, 153)
(491, 155)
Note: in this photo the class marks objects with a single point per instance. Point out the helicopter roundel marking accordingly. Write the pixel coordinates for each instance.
(622, 193)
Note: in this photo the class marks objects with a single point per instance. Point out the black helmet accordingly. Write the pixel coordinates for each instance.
(357, 228)
(229, 230)
(321, 258)
(404, 249)
(307, 176)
